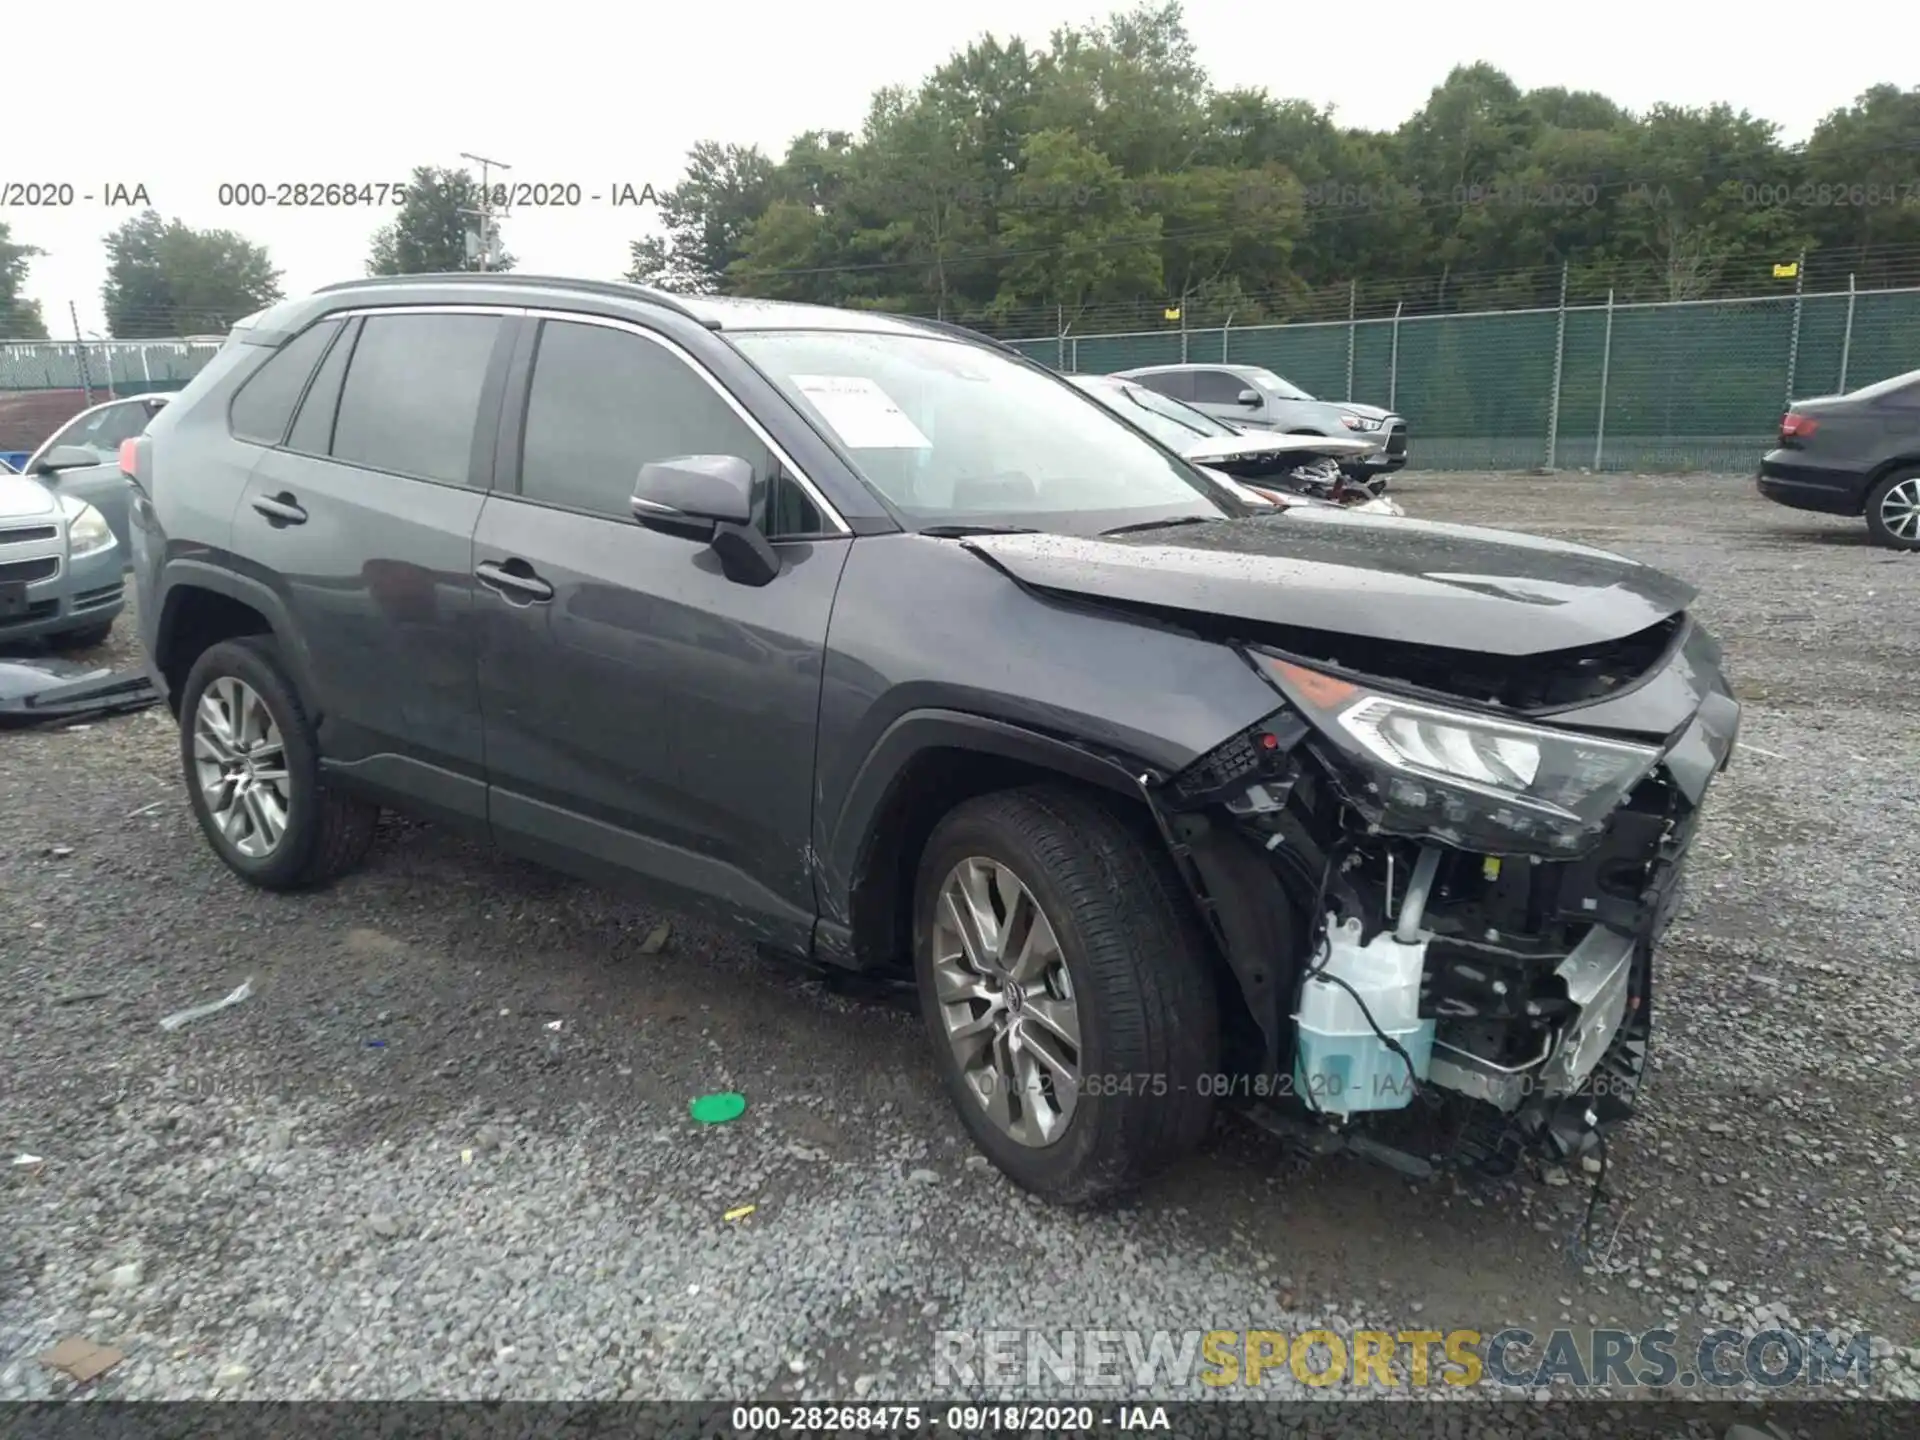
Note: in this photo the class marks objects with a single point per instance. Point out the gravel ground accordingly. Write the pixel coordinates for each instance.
(443, 1150)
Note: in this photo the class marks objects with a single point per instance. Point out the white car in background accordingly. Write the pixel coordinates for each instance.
(60, 579)
(81, 460)
(1261, 467)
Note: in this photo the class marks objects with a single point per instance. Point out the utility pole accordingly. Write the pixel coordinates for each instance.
(485, 212)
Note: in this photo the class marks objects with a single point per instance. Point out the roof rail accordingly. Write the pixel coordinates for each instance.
(947, 327)
(619, 289)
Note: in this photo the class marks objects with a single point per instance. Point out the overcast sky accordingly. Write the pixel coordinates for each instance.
(181, 99)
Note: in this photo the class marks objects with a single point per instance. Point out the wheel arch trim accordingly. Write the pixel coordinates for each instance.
(845, 838)
(182, 575)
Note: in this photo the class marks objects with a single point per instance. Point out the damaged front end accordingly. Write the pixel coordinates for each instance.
(1440, 877)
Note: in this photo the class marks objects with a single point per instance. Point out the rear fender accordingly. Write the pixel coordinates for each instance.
(182, 576)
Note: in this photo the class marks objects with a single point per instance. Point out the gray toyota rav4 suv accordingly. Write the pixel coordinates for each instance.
(891, 650)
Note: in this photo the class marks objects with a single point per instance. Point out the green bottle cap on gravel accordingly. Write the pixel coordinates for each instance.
(718, 1109)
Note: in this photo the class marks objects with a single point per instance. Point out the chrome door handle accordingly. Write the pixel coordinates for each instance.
(513, 586)
(281, 509)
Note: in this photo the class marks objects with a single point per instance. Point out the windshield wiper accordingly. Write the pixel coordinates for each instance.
(1161, 524)
(950, 532)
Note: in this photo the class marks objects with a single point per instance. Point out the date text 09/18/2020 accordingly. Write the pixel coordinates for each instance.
(1312, 1089)
(965, 1419)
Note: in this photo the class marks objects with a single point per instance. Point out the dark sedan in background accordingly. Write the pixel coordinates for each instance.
(1854, 454)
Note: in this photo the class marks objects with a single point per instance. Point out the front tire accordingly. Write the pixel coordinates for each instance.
(252, 768)
(1893, 511)
(1067, 988)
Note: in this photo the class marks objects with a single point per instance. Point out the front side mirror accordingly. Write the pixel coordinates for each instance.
(66, 457)
(1249, 398)
(708, 497)
(691, 494)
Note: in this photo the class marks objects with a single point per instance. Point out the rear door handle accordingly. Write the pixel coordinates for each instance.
(520, 586)
(281, 509)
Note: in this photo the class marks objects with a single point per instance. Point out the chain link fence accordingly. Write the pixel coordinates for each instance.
(1696, 385)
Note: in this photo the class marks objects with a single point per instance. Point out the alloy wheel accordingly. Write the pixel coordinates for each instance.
(1900, 509)
(1006, 1001)
(240, 762)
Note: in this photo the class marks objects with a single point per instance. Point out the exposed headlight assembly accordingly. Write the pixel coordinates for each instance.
(1475, 781)
(87, 530)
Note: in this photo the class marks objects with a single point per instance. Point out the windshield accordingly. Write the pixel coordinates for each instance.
(952, 433)
(100, 431)
(1285, 389)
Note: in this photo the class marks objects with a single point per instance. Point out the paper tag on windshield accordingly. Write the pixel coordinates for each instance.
(861, 413)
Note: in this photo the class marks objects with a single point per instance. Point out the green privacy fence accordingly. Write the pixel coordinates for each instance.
(109, 367)
(1697, 385)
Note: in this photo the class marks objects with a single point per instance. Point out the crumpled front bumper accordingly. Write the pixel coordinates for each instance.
(1537, 969)
(1598, 976)
(1587, 1072)
(46, 691)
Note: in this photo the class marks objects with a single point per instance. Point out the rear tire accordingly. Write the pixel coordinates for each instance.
(291, 832)
(1893, 511)
(1137, 976)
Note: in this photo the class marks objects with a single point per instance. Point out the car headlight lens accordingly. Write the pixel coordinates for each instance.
(1476, 781)
(1359, 422)
(87, 530)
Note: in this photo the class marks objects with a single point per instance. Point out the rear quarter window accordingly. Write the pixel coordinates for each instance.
(264, 405)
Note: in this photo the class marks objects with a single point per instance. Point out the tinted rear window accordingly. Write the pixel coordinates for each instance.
(412, 394)
(264, 405)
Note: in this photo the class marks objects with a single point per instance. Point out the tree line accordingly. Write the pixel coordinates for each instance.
(1022, 188)
(1102, 181)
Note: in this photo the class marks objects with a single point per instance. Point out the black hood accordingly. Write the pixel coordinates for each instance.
(1374, 576)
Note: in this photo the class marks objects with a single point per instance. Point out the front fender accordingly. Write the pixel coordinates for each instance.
(933, 646)
(843, 854)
